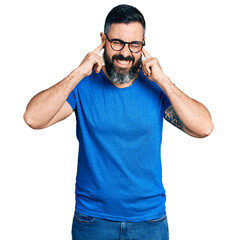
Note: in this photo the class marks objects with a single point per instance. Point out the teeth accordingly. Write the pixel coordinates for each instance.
(123, 62)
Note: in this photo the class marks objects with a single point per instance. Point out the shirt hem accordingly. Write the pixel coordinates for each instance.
(119, 218)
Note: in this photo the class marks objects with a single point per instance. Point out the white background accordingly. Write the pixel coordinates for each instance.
(43, 41)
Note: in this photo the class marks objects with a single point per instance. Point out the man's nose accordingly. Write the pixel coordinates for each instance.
(126, 51)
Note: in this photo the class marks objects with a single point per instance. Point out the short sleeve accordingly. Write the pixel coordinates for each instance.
(166, 103)
(72, 100)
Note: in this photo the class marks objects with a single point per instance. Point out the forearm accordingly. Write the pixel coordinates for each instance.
(194, 116)
(45, 105)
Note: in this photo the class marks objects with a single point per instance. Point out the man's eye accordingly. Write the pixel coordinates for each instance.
(135, 45)
(117, 43)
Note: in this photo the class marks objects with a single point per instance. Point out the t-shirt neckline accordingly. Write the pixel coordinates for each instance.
(120, 89)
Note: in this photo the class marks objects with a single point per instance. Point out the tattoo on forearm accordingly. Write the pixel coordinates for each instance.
(171, 116)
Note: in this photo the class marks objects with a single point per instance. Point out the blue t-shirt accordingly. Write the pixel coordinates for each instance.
(119, 175)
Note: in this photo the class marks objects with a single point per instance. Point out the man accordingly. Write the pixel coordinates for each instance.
(119, 108)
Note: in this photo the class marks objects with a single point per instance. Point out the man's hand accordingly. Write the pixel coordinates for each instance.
(151, 68)
(91, 61)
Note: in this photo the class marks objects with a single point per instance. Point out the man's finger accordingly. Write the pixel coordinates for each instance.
(146, 68)
(146, 54)
(99, 48)
(98, 64)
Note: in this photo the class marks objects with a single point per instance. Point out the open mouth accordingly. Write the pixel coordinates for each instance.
(123, 62)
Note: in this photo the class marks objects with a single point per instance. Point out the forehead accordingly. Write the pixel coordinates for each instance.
(127, 32)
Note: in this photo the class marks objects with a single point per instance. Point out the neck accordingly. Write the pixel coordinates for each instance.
(123, 85)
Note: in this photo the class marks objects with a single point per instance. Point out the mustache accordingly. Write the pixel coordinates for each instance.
(121, 57)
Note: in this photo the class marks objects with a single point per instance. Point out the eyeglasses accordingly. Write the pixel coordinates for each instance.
(118, 45)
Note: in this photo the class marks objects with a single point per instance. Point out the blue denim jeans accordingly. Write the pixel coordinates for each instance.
(89, 228)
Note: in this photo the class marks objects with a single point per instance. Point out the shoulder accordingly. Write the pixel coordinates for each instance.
(90, 80)
(150, 85)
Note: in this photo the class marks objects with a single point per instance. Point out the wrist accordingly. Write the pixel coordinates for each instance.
(164, 83)
(72, 80)
(77, 74)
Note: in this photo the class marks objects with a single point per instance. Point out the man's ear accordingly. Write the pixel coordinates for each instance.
(103, 37)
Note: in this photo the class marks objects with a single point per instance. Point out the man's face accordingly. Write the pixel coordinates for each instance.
(122, 66)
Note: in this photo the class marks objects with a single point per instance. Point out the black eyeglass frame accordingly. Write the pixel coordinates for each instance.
(124, 43)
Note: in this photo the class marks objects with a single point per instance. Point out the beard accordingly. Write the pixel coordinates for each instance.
(119, 75)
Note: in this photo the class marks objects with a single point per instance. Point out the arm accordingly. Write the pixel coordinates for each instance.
(194, 116)
(50, 106)
(187, 114)
(171, 116)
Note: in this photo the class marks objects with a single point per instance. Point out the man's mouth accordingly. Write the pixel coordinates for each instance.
(123, 62)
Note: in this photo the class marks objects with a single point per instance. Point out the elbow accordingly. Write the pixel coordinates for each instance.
(207, 130)
(30, 121)
(203, 132)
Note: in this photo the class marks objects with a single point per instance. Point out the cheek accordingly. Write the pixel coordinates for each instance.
(137, 57)
(109, 51)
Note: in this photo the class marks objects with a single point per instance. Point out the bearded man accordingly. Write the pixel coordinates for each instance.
(119, 108)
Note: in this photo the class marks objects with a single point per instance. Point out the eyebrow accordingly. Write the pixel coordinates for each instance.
(118, 39)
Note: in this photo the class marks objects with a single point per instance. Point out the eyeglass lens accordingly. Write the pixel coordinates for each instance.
(133, 46)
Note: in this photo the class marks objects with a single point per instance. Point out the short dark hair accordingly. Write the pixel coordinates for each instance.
(124, 14)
